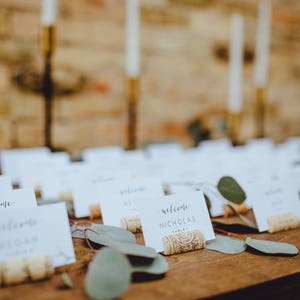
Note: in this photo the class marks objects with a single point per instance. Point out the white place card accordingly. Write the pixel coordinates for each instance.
(118, 199)
(5, 183)
(85, 194)
(163, 151)
(10, 158)
(173, 214)
(62, 179)
(102, 154)
(21, 198)
(274, 198)
(43, 230)
(32, 169)
(215, 146)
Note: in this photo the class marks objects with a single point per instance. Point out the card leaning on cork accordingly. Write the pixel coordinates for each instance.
(276, 205)
(36, 231)
(119, 198)
(181, 216)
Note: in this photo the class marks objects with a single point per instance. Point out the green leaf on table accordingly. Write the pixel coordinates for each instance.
(157, 266)
(100, 239)
(123, 247)
(243, 218)
(67, 280)
(135, 250)
(226, 245)
(231, 190)
(116, 233)
(270, 247)
(108, 275)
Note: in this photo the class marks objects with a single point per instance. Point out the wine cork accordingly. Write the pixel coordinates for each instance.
(282, 222)
(132, 224)
(166, 188)
(14, 272)
(95, 211)
(39, 267)
(22, 270)
(183, 242)
(240, 208)
(66, 196)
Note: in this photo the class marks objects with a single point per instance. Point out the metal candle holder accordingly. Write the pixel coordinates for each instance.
(260, 107)
(48, 43)
(234, 120)
(132, 98)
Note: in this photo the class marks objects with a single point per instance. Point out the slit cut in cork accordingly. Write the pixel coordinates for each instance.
(183, 242)
(95, 211)
(283, 222)
(132, 224)
(23, 270)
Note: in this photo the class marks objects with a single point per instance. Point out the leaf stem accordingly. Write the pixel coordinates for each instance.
(231, 234)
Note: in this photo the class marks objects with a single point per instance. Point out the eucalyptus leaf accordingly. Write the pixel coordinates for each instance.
(77, 234)
(135, 250)
(116, 233)
(226, 245)
(108, 275)
(67, 280)
(156, 267)
(243, 218)
(100, 239)
(123, 247)
(231, 190)
(270, 247)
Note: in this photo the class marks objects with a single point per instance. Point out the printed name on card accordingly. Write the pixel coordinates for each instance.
(40, 231)
(165, 217)
(21, 198)
(119, 199)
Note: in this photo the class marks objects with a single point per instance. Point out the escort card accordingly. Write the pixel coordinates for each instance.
(119, 198)
(21, 198)
(5, 183)
(85, 194)
(32, 169)
(40, 231)
(10, 159)
(168, 215)
(164, 151)
(62, 179)
(104, 155)
(274, 198)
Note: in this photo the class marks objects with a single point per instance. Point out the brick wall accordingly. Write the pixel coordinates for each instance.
(184, 71)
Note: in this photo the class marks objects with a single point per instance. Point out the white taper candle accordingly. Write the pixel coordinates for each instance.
(48, 13)
(262, 44)
(132, 60)
(236, 64)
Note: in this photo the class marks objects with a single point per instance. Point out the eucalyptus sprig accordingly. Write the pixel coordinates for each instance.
(109, 274)
(234, 243)
(227, 187)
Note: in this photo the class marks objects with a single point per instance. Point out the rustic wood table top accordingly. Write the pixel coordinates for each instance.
(194, 275)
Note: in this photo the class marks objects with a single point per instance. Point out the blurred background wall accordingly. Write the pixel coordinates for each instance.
(184, 72)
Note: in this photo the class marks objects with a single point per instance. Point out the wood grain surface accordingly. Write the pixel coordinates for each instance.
(194, 275)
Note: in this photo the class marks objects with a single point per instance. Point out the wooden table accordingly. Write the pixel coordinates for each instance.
(194, 275)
